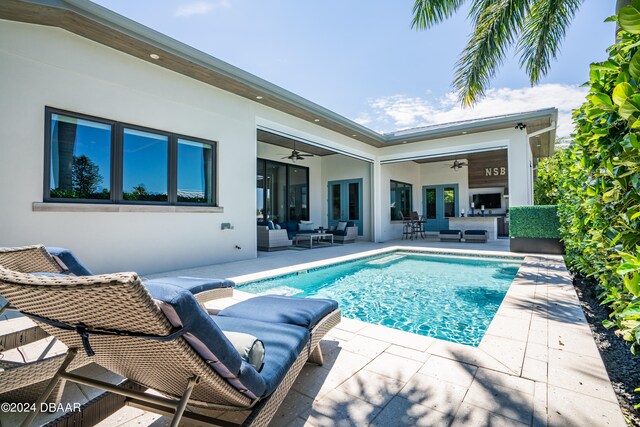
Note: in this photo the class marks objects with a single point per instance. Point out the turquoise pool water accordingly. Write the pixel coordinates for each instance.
(446, 297)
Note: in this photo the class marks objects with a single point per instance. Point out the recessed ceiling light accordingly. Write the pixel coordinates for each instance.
(316, 120)
(404, 142)
(154, 56)
(258, 97)
(354, 135)
(464, 133)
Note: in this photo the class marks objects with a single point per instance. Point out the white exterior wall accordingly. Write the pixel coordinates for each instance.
(408, 172)
(44, 66)
(520, 171)
(338, 167)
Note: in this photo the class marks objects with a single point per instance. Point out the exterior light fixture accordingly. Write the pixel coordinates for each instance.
(521, 126)
(316, 120)
(258, 97)
(154, 56)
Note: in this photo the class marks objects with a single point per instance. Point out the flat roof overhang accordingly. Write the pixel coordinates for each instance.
(106, 27)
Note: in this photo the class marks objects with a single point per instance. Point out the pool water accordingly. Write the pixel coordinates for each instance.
(448, 297)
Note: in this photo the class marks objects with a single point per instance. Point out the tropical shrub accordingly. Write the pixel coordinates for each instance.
(599, 198)
(547, 185)
(534, 222)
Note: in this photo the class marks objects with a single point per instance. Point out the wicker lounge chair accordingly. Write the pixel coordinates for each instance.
(25, 382)
(158, 336)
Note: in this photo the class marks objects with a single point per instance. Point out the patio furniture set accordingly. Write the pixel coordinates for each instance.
(274, 237)
(413, 227)
(158, 335)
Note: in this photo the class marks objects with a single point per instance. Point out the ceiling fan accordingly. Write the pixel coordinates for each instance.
(458, 165)
(297, 155)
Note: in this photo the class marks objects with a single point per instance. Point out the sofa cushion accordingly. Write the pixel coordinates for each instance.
(306, 312)
(251, 349)
(339, 232)
(205, 337)
(72, 263)
(195, 285)
(282, 343)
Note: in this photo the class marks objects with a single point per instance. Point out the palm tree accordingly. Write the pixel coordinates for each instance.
(537, 27)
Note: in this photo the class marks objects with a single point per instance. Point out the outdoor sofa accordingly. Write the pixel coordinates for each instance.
(344, 232)
(157, 335)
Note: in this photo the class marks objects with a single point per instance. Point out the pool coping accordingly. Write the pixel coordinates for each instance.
(538, 341)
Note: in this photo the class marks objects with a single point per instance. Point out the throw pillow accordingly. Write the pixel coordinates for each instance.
(342, 225)
(250, 348)
(307, 226)
(271, 226)
(277, 226)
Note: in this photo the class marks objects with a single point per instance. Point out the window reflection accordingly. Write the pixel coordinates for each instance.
(401, 200)
(195, 171)
(145, 166)
(80, 158)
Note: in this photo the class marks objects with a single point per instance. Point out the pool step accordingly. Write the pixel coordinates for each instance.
(385, 260)
(282, 290)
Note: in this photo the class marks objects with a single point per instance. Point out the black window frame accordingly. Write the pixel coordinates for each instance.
(287, 166)
(116, 162)
(391, 190)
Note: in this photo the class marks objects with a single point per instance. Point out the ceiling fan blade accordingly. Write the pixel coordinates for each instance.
(306, 155)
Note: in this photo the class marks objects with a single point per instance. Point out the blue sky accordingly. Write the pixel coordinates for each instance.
(361, 58)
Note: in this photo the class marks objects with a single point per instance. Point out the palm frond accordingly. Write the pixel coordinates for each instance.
(427, 13)
(544, 29)
(496, 26)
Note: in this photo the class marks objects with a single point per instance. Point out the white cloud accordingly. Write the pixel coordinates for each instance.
(399, 111)
(200, 7)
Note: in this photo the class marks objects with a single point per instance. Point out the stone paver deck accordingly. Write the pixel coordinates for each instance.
(537, 365)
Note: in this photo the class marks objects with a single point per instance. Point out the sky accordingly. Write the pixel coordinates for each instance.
(361, 59)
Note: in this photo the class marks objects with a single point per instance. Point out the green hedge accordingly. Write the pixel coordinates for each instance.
(534, 222)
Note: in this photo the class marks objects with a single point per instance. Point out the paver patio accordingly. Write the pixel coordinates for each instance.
(537, 365)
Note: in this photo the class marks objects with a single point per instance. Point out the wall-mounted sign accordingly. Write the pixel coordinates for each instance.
(495, 171)
(489, 169)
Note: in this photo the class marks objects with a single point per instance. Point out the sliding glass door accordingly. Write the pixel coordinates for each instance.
(282, 192)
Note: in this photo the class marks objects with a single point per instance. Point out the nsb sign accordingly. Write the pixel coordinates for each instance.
(495, 171)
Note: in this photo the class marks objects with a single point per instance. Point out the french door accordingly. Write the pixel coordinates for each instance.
(345, 202)
(440, 204)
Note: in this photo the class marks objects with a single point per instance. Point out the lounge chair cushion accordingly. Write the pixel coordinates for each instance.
(72, 263)
(195, 285)
(305, 312)
(206, 338)
(251, 349)
(282, 343)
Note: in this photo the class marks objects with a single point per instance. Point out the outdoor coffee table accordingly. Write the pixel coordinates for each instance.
(311, 237)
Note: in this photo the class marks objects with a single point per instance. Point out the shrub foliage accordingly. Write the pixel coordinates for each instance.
(599, 176)
(534, 222)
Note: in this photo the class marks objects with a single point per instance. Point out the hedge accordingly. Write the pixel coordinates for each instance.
(534, 222)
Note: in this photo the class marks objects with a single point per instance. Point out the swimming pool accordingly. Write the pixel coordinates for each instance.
(448, 297)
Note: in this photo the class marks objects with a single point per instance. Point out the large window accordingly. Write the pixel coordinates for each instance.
(401, 200)
(282, 192)
(97, 160)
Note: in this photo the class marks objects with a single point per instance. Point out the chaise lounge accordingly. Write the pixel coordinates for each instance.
(157, 335)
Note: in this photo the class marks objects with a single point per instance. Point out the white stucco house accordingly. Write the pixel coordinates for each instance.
(141, 153)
